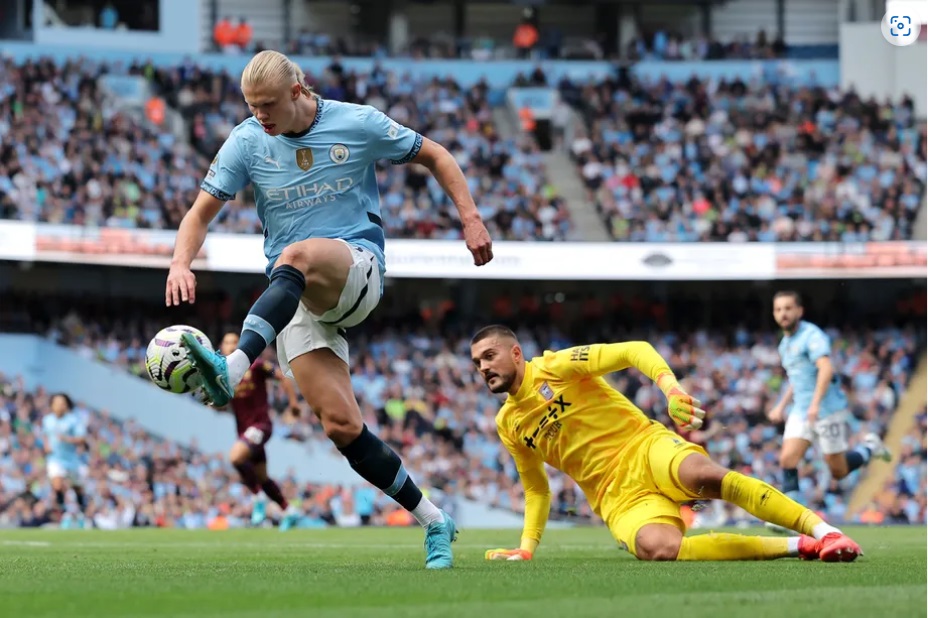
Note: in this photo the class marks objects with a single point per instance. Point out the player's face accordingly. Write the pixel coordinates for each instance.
(786, 312)
(228, 345)
(495, 358)
(58, 405)
(273, 105)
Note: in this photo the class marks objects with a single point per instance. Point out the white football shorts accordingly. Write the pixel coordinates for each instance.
(56, 470)
(830, 432)
(307, 332)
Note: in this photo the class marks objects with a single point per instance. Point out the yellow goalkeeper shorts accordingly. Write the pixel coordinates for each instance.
(647, 488)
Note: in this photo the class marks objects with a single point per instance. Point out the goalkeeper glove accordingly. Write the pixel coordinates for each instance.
(512, 555)
(683, 409)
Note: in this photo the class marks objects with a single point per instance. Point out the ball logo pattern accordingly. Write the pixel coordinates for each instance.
(166, 359)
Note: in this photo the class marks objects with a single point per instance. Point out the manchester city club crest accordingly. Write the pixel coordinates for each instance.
(339, 153)
(304, 158)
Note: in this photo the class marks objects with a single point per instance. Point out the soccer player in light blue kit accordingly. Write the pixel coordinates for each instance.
(311, 164)
(64, 432)
(819, 405)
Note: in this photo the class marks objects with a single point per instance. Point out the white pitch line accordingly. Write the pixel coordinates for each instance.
(304, 545)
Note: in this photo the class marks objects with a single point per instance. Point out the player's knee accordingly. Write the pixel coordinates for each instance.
(838, 468)
(239, 454)
(342, 427)
(702, 476)
(295, 255)
(657, 546)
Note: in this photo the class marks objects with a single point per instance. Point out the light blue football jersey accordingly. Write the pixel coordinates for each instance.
(798, 353)
(54, 428)
(321, 184)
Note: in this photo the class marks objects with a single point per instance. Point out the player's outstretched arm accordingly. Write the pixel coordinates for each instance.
(227, 175)
(449, 175)
(537, 504)
(603, 358)
(182, 284)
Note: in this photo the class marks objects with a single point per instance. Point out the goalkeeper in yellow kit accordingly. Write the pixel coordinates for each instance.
(634, 472)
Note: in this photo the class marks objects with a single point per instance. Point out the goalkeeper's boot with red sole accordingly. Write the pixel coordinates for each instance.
(837, 547)
(809, 548)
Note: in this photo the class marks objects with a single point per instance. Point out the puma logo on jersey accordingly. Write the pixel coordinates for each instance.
(274, 161)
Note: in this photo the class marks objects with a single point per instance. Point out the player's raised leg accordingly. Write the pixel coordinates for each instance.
(314, 270)
(705, 478)
(832, 433)
(325, 382)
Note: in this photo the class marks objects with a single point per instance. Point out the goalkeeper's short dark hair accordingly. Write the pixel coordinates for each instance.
(493, 330)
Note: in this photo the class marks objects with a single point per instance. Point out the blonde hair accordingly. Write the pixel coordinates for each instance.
(272, 67)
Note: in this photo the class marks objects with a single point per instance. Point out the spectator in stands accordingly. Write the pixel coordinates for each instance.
(109, 17)
(142, 177)
(526, 36)
(242, 36)
(224, 35)
(668, 46)
(759, 162)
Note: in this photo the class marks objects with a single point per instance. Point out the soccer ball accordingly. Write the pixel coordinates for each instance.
(166, 359)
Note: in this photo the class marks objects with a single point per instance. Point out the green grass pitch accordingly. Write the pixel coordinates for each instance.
(377, 572)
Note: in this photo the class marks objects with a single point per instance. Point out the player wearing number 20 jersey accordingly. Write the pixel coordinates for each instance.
(818, 412)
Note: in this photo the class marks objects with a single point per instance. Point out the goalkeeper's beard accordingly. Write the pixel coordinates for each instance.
(503, 383)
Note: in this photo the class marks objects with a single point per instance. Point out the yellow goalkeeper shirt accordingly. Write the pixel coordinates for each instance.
(566, 415)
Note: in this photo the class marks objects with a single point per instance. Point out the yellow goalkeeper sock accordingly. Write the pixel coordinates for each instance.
(766, 503)
(733, 547)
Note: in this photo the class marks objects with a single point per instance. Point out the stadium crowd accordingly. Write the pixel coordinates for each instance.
(765, 160)
(70, 154)
(418, 391)
(662, 44)
(693, 161)
(131, 478)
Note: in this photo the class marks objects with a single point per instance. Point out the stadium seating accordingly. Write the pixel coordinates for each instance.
(135, 479)
(667, 46)
(737, 161)
(99, 166)
(662, 162)
(418, 390)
